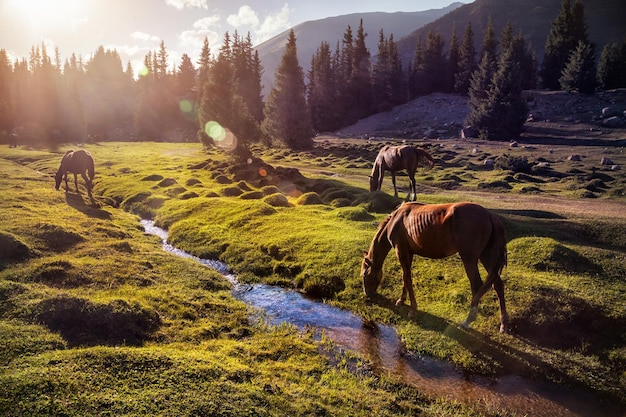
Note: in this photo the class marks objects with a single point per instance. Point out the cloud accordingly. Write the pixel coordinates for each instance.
(144, 36)
(207, 23)
(246, 17)
(274, 24)
(189, 4)
(78, 23)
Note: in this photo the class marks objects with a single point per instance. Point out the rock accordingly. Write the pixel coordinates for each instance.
(613, 122)
(574, 157)
(606, 161)
(616, 167)
(430, 134)
(609, 112)
(489, 162)
(469, 132)
(514, 144)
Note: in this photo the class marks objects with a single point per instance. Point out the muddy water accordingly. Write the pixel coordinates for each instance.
(381, 345)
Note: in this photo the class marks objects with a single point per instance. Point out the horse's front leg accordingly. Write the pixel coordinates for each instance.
(406, 261)
(67, 187)
(76, 183)
(393, 181)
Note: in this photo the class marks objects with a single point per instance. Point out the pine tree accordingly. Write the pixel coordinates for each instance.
(322, 91)
(580, 72)
(568, 29)
(612, 66)
(416, 82)
(467, 61)
(223, 115)
(287, 119)
(499, 112)
(7, 104)
(453, 61)
(360, 81)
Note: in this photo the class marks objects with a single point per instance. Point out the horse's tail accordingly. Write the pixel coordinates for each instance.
(430, 161)
(498, 244)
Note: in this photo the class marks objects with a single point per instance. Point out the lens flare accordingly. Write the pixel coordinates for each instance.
(223, 137)
(262, 172)
(144, 71)
(186, 106)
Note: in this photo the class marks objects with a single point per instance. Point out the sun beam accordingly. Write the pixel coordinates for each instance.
(46, 14)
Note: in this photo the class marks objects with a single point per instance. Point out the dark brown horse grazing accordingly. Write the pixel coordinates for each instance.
(76, 162)
(437, 231)
(396, 158)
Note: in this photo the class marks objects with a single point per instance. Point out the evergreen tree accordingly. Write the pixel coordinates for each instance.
(287, 119)
(322, 91)
(248, 73)
(224, 117)
(204, 64)
(360, 81)
(467, 61)
(453, 61)
(490, 44)
(7, 105)
(388, 80)
(500, 113)
(415, 72)
(612, 66)
(568, 29)
(522, 54)
(580, 72)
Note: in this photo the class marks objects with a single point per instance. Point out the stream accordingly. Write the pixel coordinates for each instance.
(383, 348)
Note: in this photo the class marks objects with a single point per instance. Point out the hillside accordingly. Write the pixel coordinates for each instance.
(605, 19)
(310, 35)
(558, 117)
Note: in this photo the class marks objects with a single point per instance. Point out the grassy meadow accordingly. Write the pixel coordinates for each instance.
(98, 320)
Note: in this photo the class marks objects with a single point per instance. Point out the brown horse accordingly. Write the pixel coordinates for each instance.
(396, 158)
(437, 231)
(76, 162)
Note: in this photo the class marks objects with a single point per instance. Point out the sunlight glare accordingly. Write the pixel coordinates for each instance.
(42, 14)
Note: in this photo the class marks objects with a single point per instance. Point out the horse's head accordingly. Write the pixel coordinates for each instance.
(58, 178)
(374, 183)
(371, 276)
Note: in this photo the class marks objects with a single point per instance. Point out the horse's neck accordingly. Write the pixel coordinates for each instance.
(380, 246)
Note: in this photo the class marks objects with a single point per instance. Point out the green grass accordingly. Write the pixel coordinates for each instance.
(100, 320)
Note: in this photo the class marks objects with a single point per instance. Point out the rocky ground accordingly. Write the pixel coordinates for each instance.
(553, 116)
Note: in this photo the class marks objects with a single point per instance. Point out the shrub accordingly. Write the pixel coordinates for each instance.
(513, 163)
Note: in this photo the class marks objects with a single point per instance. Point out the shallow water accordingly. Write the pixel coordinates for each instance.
(381, 345)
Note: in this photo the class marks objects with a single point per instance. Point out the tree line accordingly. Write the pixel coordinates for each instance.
(219, 100)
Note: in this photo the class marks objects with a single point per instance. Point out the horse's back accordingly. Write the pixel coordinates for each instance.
(440, 230)
(77, 161)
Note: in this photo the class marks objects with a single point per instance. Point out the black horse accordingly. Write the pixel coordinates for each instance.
(76, 162)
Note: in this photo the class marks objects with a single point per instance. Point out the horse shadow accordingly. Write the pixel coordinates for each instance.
(91, 208)
(505, 359)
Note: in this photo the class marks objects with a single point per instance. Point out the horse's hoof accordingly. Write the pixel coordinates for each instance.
(412, 314)
(504, 329)
(399, 302)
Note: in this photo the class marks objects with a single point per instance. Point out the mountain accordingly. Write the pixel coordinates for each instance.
(309, 35)
(605, 20)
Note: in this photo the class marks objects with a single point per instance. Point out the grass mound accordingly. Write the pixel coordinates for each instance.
(378, 202)
(13, 249)
(546, 254)
(57, 238)
(84, 323)
(357, 214)
(309, 198)
(59, 274)
(557, 319)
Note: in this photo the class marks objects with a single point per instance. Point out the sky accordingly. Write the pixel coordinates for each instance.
(135, 27)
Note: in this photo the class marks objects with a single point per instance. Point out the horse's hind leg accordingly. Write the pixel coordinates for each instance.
(412, 182)
(476, 284)
(498, 287)
(76, 183)
(88, 183)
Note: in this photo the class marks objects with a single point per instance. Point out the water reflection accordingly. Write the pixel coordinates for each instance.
(381, 346)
